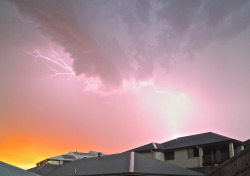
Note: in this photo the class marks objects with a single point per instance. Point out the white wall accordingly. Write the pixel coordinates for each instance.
(159, 156)
(181, 159)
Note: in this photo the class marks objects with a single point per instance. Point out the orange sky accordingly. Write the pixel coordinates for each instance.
(24, 150)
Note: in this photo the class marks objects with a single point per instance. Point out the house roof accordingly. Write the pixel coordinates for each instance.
(71, 156)
(63, 157)
(74, 156)
(194, 140)
(43, 170)
(148, 147)
(10, 170)
(80, 155)
(123, 163)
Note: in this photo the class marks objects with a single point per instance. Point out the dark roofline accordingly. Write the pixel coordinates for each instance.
(80, 153)
(197, 140)
(153, 146)
(199, 134)
(200, 145)
(121, 164)
(150, 150)
(65, 159)
(19, 169)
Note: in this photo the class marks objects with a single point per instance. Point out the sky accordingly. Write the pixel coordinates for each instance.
(112, 75)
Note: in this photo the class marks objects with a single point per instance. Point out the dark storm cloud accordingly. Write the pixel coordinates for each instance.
(116, 40)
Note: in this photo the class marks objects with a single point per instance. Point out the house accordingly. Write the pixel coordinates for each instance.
(128, 163)
(9, 170)
(206, 149)
(199, 150)
(65, 158)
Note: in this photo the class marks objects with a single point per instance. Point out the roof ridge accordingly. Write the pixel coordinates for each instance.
(194, 135)
(197, 135)
(222, 135)
(74, 155)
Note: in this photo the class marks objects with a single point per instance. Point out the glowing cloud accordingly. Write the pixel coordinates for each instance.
(140, 36)
(173, 107)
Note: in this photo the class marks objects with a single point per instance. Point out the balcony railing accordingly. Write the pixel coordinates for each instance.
(209, 160)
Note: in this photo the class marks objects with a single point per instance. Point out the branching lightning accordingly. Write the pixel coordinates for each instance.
(60, 68)
(54, 61)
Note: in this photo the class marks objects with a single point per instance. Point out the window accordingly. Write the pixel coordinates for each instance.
(193, 152)
(169, 155)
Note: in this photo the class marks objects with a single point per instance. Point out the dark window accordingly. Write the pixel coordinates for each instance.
(224, 153)
(196, 152)
(169, 155)
(193, 152)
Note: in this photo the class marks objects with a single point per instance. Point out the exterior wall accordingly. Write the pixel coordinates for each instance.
(181, 159)
(160, 156)
(154, 154)
(148, 154)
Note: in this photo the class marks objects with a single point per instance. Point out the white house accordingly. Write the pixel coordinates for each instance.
(206, 149)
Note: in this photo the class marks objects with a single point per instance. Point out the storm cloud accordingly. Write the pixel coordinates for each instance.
(122, 40)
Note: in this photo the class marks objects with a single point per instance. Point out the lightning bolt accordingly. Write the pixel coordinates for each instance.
(54, 61)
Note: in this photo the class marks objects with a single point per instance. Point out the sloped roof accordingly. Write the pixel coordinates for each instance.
(71, 156)
(123, 163)
(63, 157)
(148, 147)
(43, 170)
(194, 140)
(80, 155)
(10, 170)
